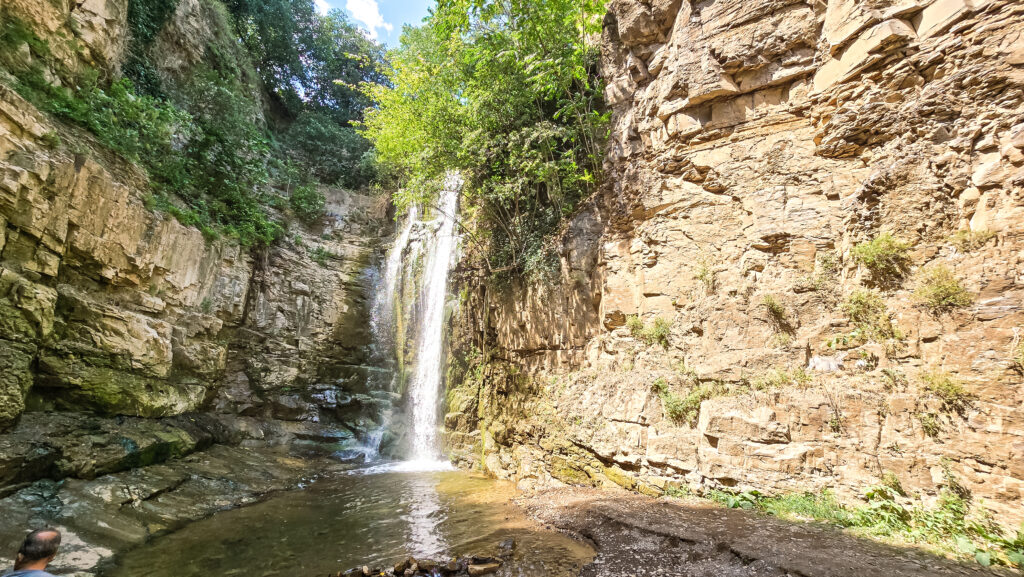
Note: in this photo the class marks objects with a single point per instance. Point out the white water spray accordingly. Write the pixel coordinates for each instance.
(425, 385)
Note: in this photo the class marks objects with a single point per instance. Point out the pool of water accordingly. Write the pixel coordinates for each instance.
(348, 520)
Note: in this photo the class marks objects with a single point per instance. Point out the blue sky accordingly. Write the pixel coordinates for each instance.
(383, 19)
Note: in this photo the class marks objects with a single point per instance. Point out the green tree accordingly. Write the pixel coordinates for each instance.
(508, 94)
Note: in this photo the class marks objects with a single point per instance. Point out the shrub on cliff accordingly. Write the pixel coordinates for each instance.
(884, 256)
(307, 202)
(870, 316)
(939, 291)
(654, 333)
(955, 398)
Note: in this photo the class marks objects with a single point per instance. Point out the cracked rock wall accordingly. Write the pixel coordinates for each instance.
(753, 145)
(110, 308)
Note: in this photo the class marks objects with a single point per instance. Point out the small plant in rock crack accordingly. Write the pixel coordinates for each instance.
(826, 269)
(779, 378)
(868, 313)
(654, 333)
(930, 424)
(1017, 351)
(320, 255)
(777, 317)
(885, 257)
(706, 277)
(939, 291)
(970, 240)
(955, 398)
(685, 409)
(894, 379)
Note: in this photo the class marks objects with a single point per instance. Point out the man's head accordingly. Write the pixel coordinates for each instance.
(39, 548)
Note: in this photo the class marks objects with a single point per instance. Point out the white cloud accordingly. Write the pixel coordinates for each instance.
(322, 6)
(368, 13)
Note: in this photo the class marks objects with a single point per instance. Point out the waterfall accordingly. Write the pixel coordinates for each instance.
(382, 316)
(416, 267)
(425, 386)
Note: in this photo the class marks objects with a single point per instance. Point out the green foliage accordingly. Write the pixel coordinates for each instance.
(321, 255)
(930, 424)
(894, 379)
(939, 291)
(332, 153)
(970, 240)
(884, 256)
(868, 313)
(308, 62)
(308, 202)
(779, 378)
(685, 409)
(145, 19)
(654, 333)
(955, 399)
(745, 500)
(506, 93)
(680, 492)
(207, 155)
(821, 506)
(777, 317)
(952, 525)
(706, 277)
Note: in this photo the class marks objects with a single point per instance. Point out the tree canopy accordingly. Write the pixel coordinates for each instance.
(507, 92)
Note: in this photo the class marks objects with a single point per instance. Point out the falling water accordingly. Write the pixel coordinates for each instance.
(417, 263)
(383, 315)
(425, 385)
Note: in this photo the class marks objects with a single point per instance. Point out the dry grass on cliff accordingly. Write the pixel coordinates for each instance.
(939, 291)
(971, 240)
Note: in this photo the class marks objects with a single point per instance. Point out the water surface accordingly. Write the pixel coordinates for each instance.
(355, 519)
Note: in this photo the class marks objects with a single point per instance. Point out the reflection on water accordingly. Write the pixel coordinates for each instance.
(425, 514)
(352, 520)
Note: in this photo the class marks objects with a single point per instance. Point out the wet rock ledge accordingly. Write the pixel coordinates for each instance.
(472, 566)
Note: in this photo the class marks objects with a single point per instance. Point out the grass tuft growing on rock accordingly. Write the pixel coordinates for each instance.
(939, 291)
(885, 257)
(868, 313)
(969, 240)
(1017, 354)
(685, 409)
(777, 317)
(654, 333)
(951, 526)
(779, 378)
(706, 277)
(930, 424)
(955, 398)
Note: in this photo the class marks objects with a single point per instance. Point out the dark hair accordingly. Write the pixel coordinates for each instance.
(40, 544)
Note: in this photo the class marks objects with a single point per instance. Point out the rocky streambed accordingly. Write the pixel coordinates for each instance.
(640, 536)
(183, 518)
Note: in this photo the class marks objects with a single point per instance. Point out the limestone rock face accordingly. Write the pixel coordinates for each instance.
(753, 145)
(80, 33)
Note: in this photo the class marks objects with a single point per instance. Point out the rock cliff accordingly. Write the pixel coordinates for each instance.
(804, 269)
(111, 310)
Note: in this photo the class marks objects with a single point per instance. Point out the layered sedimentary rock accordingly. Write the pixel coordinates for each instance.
(753, 145)
(111, 310)
(128, 339)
